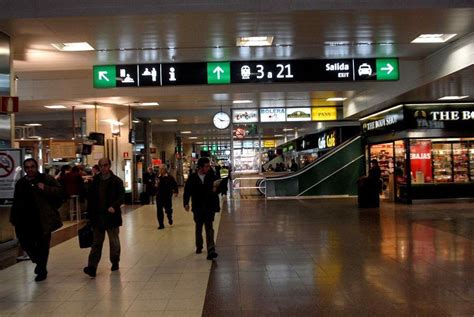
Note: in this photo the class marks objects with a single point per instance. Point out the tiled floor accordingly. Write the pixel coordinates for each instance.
(160, 275)
(276, 258)
(326, 257)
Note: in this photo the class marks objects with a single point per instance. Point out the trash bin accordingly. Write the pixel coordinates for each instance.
(368, 191)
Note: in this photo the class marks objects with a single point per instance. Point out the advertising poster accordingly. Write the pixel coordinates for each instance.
(244, 116)
(273, 115)
(298, 114)
(323, 113)
(420, 156)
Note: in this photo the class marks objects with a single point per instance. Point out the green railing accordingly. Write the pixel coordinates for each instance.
(335, 173)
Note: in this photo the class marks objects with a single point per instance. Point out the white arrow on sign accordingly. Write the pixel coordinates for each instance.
(389, 68)
(102, 75)
(219, 71)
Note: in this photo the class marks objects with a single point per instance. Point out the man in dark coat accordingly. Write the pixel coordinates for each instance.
(106, 195)
(166, 187)
(149, 179)
(201, 187)
(35, 214)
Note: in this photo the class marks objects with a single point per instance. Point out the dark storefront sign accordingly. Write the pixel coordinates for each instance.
(319, 141)
(422, 116)
(384, 122)
(451, 117)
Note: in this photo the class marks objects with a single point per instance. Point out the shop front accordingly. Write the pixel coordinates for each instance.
(425, 151)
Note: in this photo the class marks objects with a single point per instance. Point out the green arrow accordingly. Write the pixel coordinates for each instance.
(104, 76)
(218, 73)
(387, 68)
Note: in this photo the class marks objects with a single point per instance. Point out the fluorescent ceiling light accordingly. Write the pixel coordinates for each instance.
(34, 137)
(87, 107)
(33, 124)
(136, 121)
(336, 99)
(242, 101)
(73, 47)
(287, 129)
(278, 135)
(193, 137)
(337, 43)
(433, 38)
(170, 120)
(452, 97)
(55, 107)
(185, 132)
(254, 41)
(149, 104)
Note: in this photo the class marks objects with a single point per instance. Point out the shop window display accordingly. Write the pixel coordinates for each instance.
(461, 162)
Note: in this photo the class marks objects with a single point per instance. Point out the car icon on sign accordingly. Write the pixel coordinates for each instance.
(365, 69)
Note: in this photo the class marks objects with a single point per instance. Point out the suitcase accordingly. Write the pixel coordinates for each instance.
(144, 198)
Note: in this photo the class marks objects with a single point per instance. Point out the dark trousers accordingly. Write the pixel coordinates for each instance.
(168, 207)
(36, 244)
(211, 246)
(96, 250)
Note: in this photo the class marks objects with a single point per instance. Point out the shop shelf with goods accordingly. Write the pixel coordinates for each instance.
(461, 162)
(442, 163)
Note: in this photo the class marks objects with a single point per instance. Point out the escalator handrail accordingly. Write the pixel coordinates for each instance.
(328, 155)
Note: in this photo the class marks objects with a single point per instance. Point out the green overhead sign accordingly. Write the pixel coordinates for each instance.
(387, 69)
(105, 76)
(218, 73)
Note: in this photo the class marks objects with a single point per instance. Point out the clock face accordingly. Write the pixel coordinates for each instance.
(221, 120)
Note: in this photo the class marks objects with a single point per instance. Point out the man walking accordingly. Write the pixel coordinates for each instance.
(166, 187)
(201, 187)
(35, 214)
(103, 210)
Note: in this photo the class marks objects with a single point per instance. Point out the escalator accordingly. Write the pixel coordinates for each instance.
(335, 173)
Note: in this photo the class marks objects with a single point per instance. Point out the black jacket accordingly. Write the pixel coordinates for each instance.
(115, 195)
(205, 202)
(166, 187)
(33, 207)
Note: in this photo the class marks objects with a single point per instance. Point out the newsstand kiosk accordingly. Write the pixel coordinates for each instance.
(425, 150)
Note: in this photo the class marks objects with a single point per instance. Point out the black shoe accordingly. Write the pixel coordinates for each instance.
(161, 227)
(212, 255)
(198, 250)
(170, 221)
(41, 277)
(37, 269)
(115, 266)
(91, 271)
(40, 271)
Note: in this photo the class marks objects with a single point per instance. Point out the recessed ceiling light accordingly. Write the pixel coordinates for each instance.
(337, 43)
(73, 47)
(33, 124)
(254, 41)
(336, 99)
(452, 97)
(242, 101)
(55, 107)
(185, 132)
(433, 38)
(170, 120)
(149, 104)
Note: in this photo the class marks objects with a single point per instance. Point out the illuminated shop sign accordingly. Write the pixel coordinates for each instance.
(298, 114)
(323, 113)
(450, 116)
(244, 115)
(277, 71)
(273, 115)
(384, 121)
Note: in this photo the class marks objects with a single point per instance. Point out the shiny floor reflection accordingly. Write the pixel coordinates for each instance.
(327, 257)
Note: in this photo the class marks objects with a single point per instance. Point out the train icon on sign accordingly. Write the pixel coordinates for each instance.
(364, 69)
